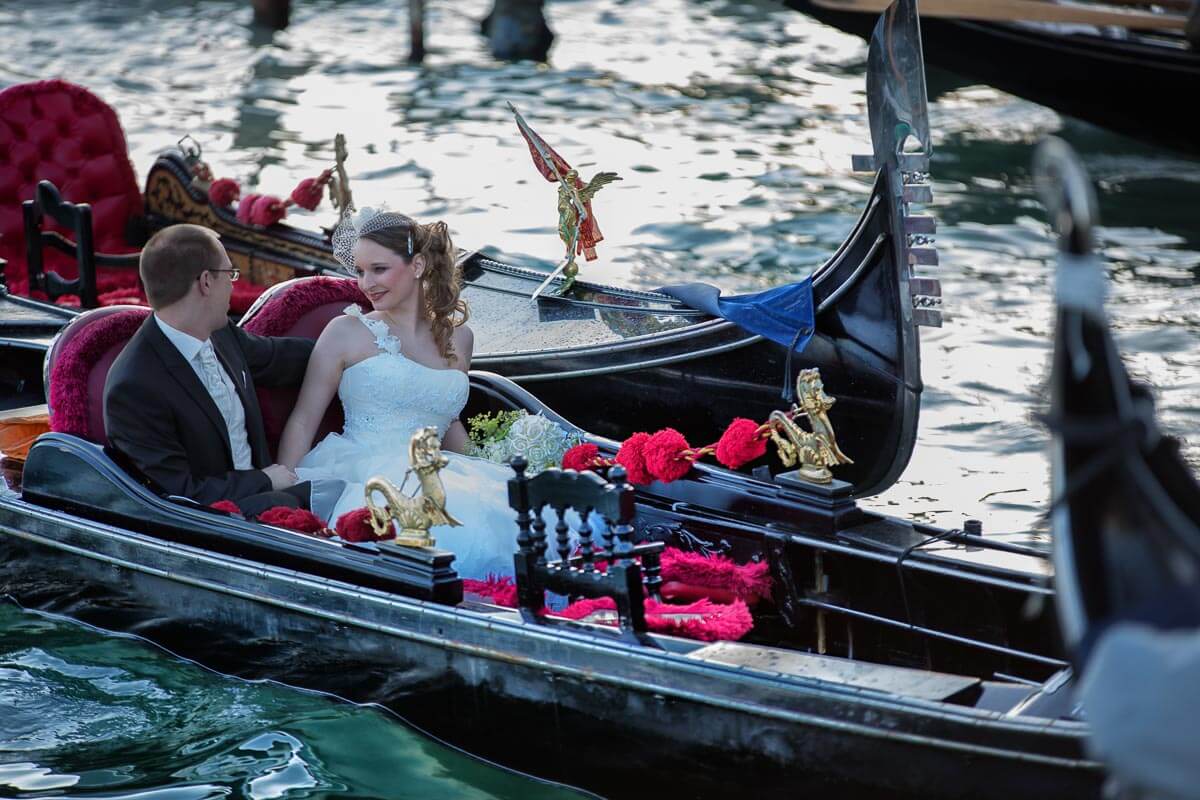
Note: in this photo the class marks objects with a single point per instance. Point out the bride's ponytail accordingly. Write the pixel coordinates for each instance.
(442, 281)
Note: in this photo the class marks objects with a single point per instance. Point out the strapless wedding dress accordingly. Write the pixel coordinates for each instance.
(386, 398)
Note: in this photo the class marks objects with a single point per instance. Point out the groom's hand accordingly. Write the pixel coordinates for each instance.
(281, 476)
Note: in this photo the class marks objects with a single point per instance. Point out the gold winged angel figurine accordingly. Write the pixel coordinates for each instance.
(576, 222)
(579, 232)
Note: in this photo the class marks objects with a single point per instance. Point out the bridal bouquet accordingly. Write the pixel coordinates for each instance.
(500, 436)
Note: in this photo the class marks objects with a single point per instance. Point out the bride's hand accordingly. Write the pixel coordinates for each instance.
(281, 477)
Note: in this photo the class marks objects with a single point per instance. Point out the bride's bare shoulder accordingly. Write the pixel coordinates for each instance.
(343, 334)
(463, 339)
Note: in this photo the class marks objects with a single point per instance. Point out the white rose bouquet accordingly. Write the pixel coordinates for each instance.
(500, 436)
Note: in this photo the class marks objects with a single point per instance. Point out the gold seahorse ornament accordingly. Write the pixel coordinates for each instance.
(417, 514)
(816, 450)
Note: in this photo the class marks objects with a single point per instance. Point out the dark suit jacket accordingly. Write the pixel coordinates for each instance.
(159, 415)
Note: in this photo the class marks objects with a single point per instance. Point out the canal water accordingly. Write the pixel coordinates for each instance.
(732, 125)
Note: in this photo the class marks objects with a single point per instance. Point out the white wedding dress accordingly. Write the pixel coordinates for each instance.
(386, 398)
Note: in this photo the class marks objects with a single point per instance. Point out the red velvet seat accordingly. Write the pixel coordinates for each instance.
(78, 363)
(53, 130)
(300, 307)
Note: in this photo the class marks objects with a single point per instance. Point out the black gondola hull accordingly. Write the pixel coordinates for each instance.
(569, 705)
(1132, 86)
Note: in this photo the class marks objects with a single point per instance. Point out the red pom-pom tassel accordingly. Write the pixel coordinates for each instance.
(740, 443)
(267, 210)
(223, 191)
(580, 457)
(294, 519)
(245, 207)
(664, 457)
(228, 506)
(355, 526)
(631, 457)
(307, 193)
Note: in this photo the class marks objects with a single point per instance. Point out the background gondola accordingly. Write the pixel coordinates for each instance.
(1126, 517)
(1130, 81)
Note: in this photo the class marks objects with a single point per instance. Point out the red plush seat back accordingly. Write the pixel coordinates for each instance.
(56, 131)
(300, 307)
(78, 363)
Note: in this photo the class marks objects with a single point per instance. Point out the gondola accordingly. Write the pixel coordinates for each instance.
(953, 696)
(1126, 519)
(1124, 81)
(651, 358)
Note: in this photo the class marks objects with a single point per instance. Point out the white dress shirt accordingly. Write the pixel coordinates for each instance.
(203, 359)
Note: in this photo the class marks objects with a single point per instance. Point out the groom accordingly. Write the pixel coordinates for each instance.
(179, 401)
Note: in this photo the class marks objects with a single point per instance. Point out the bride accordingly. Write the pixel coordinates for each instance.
(401, 367)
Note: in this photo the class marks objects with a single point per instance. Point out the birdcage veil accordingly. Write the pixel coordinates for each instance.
(357, 224)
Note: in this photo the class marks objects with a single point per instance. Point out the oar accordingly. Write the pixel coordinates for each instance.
(1029, 10)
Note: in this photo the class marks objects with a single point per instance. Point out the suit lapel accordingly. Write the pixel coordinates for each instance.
(182, 372)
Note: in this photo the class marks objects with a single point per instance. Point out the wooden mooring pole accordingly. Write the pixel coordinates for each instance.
(517, 30)
(416, 31)
(272, 13)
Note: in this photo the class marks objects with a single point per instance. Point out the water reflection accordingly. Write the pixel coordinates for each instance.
(86, 715)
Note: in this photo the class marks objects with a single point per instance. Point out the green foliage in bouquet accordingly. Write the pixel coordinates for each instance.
(488, 428)
(500, 436)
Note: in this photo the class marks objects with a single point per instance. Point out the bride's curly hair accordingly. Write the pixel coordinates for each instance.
(442, 280)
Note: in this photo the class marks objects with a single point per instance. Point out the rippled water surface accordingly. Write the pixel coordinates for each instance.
(732, 125)
(89, 715)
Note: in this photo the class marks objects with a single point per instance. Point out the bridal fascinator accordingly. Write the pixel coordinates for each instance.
(357, 224)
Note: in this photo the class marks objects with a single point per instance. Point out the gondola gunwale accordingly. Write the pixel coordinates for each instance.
(134, 506)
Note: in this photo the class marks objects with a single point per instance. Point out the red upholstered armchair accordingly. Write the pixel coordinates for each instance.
(57, 132)
(299, 307)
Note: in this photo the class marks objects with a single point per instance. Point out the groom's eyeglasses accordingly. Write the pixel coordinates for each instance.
(234, 274)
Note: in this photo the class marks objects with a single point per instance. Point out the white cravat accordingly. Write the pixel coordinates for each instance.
(203, 360)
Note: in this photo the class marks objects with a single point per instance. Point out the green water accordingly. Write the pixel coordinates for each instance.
(732, 124)
(84, 714)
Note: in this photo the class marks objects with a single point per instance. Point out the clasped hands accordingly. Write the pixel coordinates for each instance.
(281, 476)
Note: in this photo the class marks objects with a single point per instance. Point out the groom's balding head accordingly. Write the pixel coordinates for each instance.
(173, 259)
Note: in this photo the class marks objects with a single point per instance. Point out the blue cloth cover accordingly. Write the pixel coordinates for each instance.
(777, 314)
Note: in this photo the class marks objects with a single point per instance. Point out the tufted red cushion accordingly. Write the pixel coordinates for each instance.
(53, 130)
(300, 307)
(79, 361)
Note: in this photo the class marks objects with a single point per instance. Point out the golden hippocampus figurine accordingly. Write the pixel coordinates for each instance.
(415, 515)
(816, 450)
